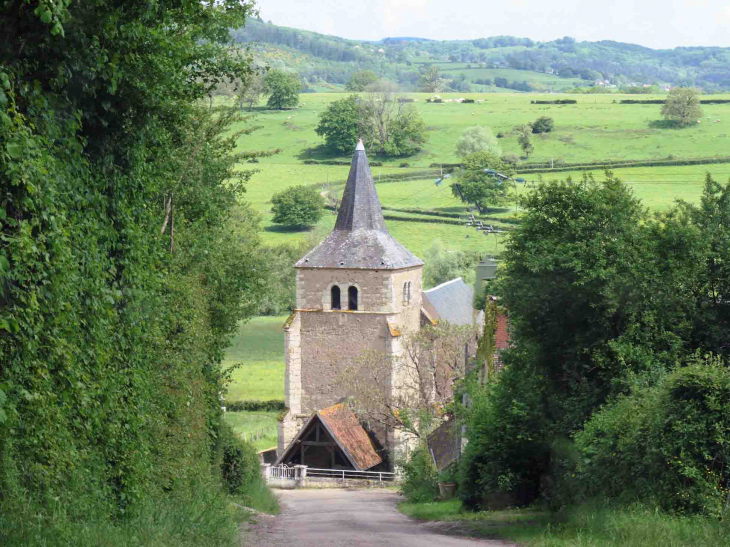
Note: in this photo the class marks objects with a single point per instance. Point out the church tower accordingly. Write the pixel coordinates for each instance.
(358, 290)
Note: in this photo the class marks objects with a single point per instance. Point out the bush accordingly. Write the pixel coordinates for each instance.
(467, 101)
(668, 444)
(420, 479)
(297, 206)
(513, 159)
(273, 405)
(543, 124)
(404, 164)
(239, 461)
(506, 454)
(500, 135)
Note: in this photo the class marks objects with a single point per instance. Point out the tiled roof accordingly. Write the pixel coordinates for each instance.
(360, 238)
(453, 301)
(354, 441)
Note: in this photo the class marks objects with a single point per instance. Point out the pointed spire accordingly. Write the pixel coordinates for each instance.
(360, 239)
(360, 208)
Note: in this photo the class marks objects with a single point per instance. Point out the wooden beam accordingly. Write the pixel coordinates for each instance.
(315, 443)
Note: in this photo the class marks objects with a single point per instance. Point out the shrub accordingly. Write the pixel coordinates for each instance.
(668, 444)
(297, 206)
(467, 101)
(420, 479)
(543, 124)
(513, 159)
(238, 460)
(500, 135)
(506, 454)
(404, 164)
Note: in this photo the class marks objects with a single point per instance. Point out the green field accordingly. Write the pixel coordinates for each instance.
(593, 129)
(259, 347)
(257, 427)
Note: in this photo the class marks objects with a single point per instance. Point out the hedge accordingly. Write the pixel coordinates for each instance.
(429, 220)
(662, 101)
(273, 405)
(451, 215)
(338, 162)
(528, 168)
(558, 101)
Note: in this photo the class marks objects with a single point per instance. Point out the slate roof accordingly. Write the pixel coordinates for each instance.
(444, 443)
(453, 301)
(360, 239)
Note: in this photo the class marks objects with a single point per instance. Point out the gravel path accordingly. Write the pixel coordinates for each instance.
(350, 518)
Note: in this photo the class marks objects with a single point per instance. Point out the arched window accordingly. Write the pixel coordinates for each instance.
(409, 292)
(405, 293)
(352, 298)
(335, 298)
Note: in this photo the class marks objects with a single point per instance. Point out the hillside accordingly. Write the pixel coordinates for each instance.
(323, 59)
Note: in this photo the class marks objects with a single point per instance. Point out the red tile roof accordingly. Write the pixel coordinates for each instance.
(345, 428)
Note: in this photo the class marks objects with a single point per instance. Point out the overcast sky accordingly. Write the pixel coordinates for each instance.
(652, 23)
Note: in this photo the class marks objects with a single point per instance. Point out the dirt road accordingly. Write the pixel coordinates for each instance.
(349, 518)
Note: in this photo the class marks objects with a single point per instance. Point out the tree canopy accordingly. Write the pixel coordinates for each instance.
(359, 81)
(127, 259)
(283, 89)
(682, 106)
(339, 124)
(477, 139)
(479, 182)
(297, 206)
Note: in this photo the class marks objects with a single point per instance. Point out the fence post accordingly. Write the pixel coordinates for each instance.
(381, 478)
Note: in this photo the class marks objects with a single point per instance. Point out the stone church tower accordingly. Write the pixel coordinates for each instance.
(356, 291)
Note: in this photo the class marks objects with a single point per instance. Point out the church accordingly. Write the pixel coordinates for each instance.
(357, 291)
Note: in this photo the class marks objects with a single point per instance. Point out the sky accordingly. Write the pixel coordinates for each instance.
(652, 23)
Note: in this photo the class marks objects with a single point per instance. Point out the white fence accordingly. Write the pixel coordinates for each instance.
(380, 476)
(282, 472)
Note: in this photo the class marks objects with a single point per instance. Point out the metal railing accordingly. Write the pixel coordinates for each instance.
(282, 472)
(381, 476)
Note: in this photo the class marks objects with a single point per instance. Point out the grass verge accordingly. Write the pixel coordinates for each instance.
(259, 428)
(587, 526)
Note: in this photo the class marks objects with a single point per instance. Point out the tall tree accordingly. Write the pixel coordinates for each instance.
(682, 106)
(359, 81)
(283, 89)
(524, 138)
(339, 124)
(483, 180)
(477, 139)
(431, 81)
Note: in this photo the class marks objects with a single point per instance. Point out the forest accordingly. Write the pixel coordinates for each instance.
(335, 59)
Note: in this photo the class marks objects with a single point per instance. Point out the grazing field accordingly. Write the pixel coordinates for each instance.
(596, 128)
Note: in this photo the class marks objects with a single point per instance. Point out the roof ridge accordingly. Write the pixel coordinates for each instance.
(445, 283)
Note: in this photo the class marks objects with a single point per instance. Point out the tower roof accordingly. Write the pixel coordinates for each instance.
(360, 238)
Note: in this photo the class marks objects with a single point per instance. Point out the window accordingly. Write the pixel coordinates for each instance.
(352, 298)
(406, 293)
(335, 298)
